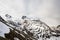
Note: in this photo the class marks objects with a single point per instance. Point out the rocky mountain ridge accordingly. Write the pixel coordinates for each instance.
(35, 28)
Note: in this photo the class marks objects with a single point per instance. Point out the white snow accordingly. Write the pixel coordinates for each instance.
(3, 29)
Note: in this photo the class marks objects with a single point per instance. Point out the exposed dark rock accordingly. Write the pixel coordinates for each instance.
(1, 38)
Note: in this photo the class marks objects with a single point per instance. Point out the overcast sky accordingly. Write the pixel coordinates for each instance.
(47, 10)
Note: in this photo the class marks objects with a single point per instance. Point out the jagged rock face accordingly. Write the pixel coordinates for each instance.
(38, 28)
(35, 28)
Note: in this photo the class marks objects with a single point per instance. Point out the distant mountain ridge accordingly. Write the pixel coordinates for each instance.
(33, 27)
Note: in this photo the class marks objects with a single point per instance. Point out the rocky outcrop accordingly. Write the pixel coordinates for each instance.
(31, 29)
